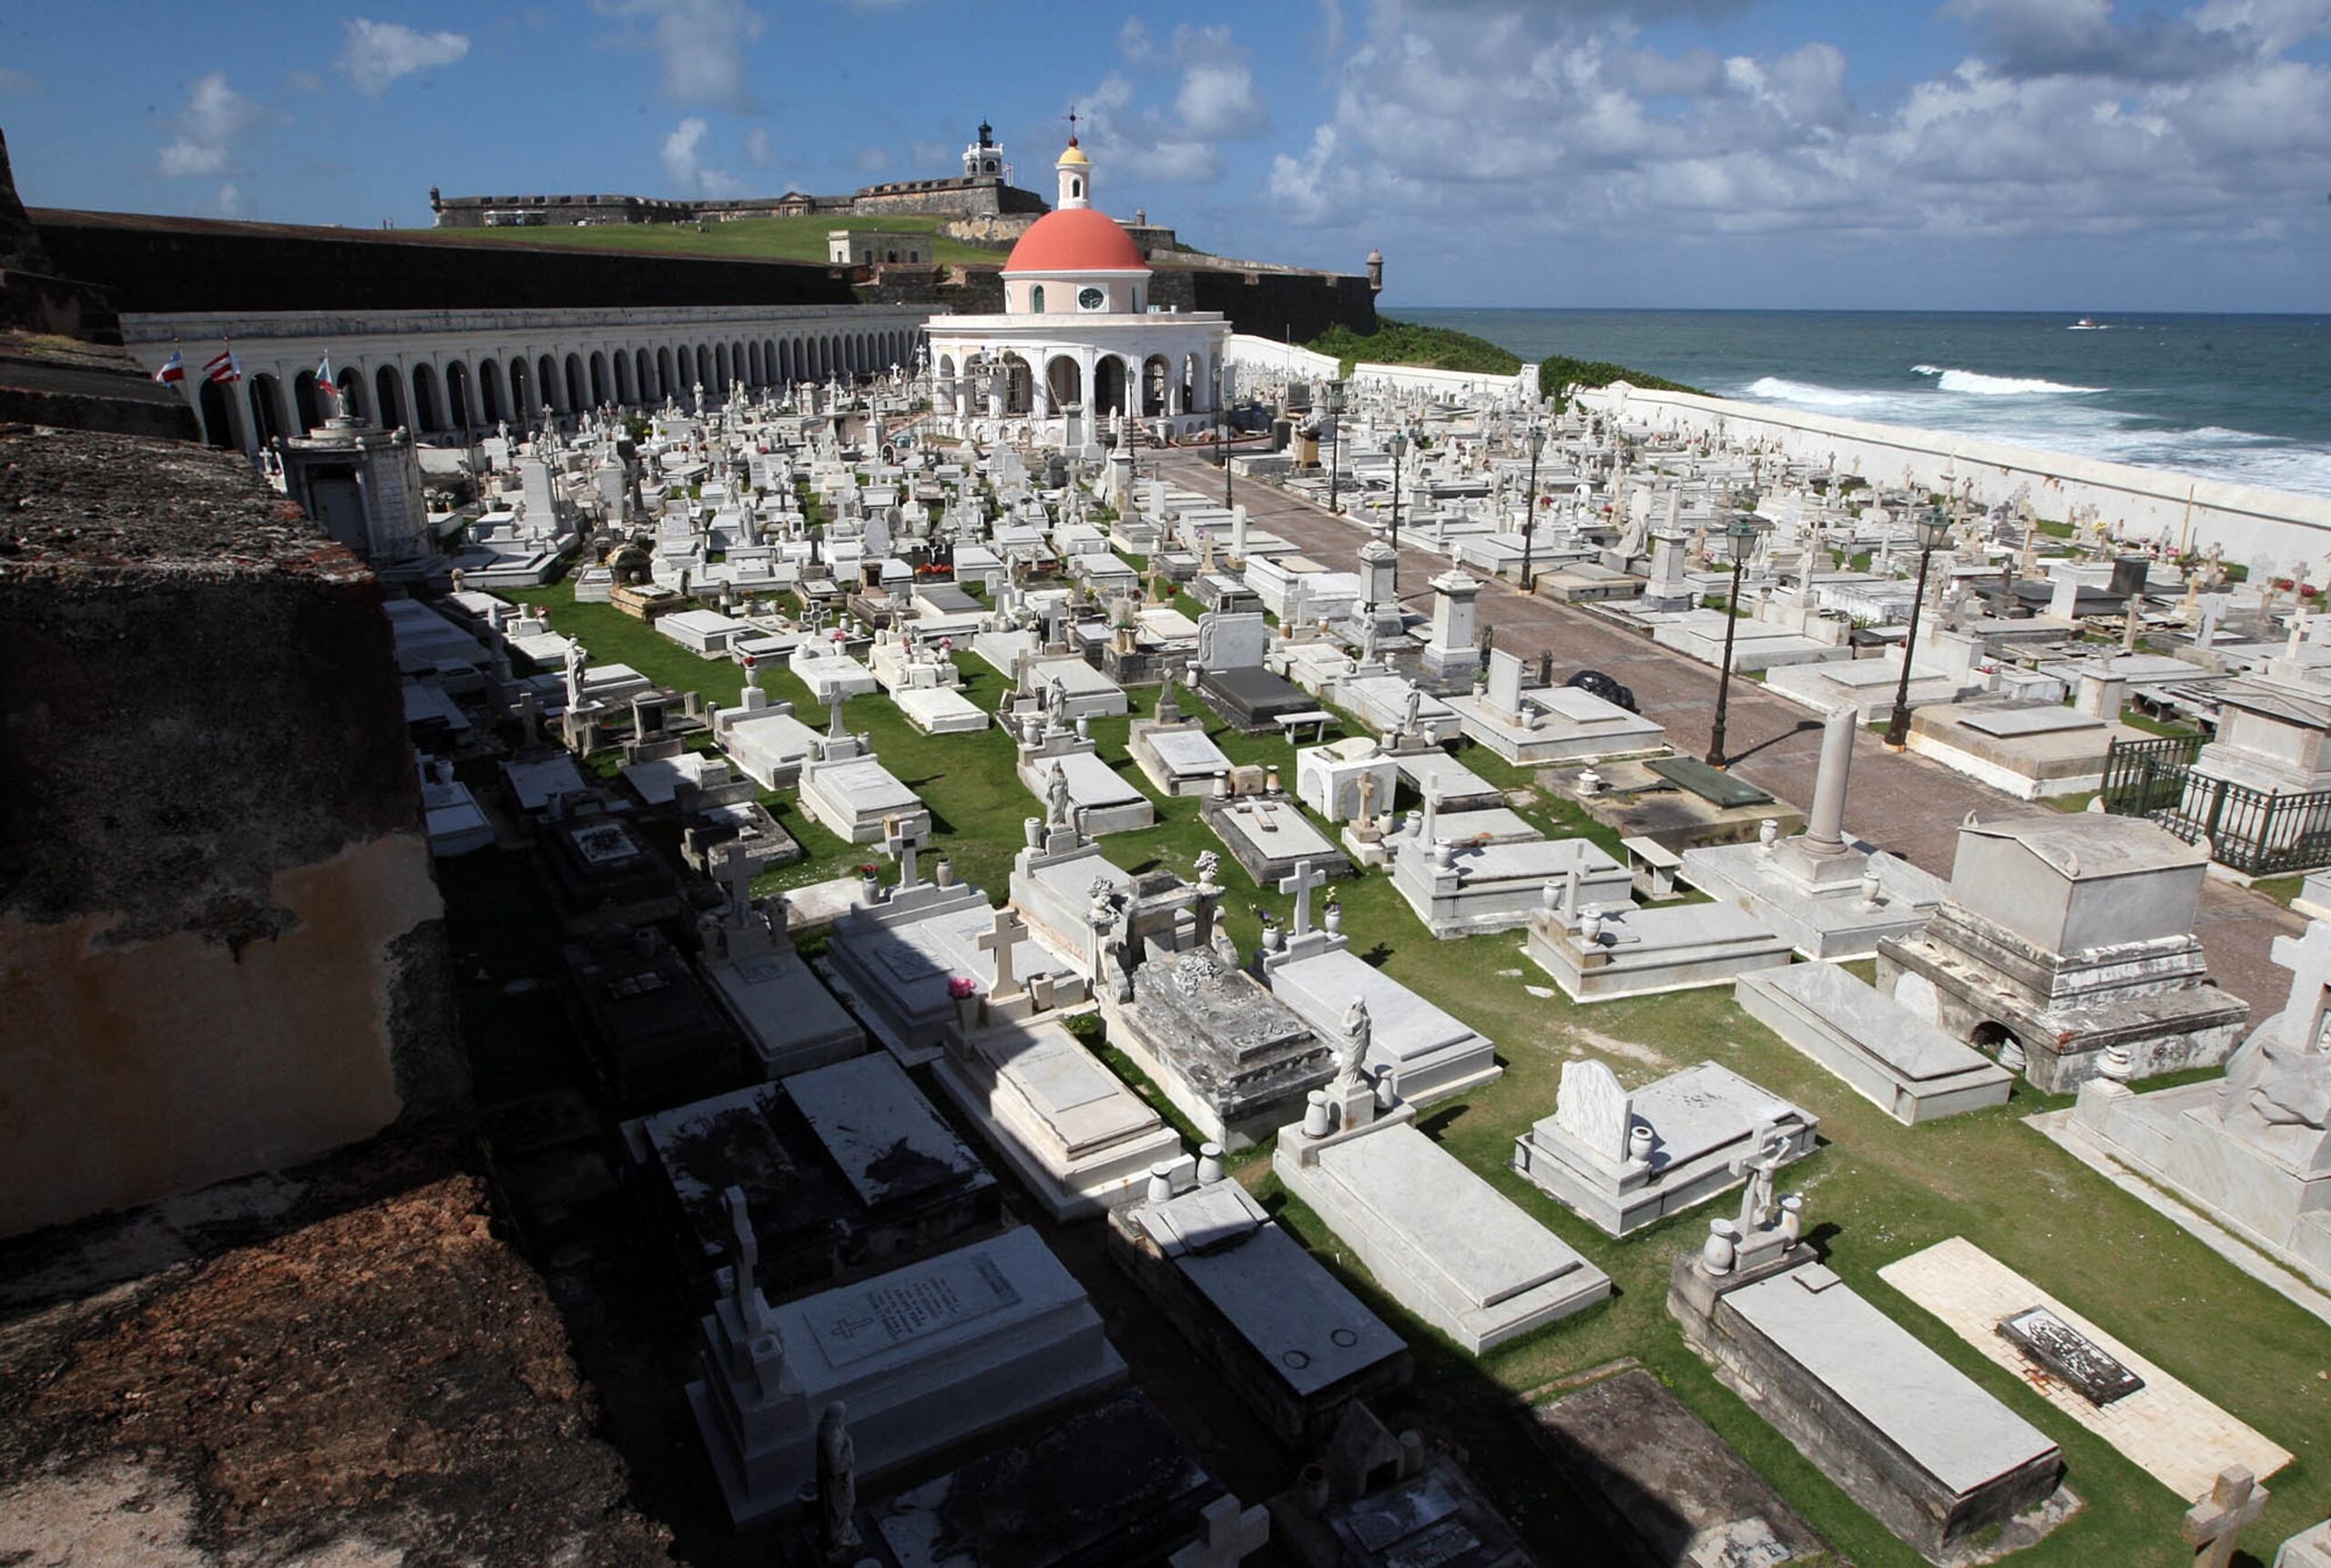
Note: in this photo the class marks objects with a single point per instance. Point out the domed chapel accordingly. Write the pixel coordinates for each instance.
(1078, 340)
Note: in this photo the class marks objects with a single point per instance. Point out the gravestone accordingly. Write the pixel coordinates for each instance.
(1624, 1160)
(1289, 1338)
(2068, 935)
(923, 1356)
(2250, 1152)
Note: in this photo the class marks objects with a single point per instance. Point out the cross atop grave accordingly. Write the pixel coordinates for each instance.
(834, 731)
(2211, 1525)
(733, 870)
(2308, 958)
(1768, 1152)
(998, 940)
(901, 847)
(744, 1263)
(1228, 1535)
(1301, 882)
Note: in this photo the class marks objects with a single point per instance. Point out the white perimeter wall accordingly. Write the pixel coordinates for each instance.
(2269, 531)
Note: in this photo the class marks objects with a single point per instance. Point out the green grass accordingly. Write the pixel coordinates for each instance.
(1405, 343)
(742, 238)
(1876, 1190)
(1558, 374)
(2151, 726)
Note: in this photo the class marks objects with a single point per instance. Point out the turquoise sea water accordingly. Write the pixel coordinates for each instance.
(2240, 398)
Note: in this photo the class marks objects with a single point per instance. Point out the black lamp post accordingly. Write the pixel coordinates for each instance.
(1222, 429)
(1335, 438)
(1530, 505)
(1740, 542)
(1399, 444)
(1933, 528)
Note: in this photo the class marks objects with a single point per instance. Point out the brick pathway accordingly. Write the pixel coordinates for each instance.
(1904, 804)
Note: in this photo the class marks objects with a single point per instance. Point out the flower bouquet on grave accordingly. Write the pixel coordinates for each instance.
(965, 990)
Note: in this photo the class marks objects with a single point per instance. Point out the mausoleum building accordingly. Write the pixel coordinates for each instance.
(1078, 340)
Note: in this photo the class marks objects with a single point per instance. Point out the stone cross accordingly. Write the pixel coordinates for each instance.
(1000, 940)
(1767, 1153)
(744, 1262)
(901, 846)
(1228, 1534)
(733, 870)
(2308, 958)
(2212, 1524)
(1304, 878)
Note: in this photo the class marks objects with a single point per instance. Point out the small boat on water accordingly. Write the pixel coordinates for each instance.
(2086, 324)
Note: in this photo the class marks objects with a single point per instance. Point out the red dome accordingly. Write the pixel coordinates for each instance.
(1076, 240)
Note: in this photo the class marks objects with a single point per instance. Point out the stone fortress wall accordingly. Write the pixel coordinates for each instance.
(959, 197)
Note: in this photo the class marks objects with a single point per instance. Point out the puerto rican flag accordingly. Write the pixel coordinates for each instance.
(223, 368)
(173, 369)
(327, 388)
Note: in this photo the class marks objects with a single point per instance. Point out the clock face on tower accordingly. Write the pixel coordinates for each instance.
(1090, 299)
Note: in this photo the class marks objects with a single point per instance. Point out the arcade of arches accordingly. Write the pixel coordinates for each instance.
(461, 373)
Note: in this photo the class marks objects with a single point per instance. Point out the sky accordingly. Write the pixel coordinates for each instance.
(1752, 154)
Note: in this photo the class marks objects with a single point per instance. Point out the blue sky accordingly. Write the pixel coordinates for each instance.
(1971, 153)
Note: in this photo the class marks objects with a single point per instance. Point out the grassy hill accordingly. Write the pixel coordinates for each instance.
(1437, 348)
(1406, 344)
(745, 238)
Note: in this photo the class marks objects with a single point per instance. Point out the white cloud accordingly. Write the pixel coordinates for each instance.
(17, 84)
(1215, 101)
(1219, 102)
(683, 163)
(1522, 120)
(701, 49)
(870, 159)
(375, 54)
(229, 203)
(215, 119)
(758, 152)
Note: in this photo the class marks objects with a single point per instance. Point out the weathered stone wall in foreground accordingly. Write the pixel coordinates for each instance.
(221, 945)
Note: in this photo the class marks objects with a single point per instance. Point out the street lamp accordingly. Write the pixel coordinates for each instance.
(1932, 529)
(1335, 401)
(1399, 444)
(1222, 429)
(1740, 542)
(1530, 504)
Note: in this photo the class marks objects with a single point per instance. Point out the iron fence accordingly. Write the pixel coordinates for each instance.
(2249, 830)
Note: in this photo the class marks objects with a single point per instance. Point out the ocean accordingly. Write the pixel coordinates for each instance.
(2245, 398)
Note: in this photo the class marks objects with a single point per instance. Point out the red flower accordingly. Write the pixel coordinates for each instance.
(962, 986)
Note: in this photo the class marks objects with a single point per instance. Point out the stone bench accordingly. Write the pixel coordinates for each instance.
(1653, 866)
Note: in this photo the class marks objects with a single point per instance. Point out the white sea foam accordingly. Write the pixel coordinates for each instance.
(1977, 385)
(2078, 426)
(1777, 389)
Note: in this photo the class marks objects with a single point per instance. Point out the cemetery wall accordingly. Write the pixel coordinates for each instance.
(166, 265)
(2267, 530)
(221, 945)
(1289, 360)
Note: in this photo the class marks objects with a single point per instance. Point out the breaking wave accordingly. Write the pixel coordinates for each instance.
(1778, 389)
(1977, 385)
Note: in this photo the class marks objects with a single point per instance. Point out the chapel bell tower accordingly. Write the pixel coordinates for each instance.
(1075, 174)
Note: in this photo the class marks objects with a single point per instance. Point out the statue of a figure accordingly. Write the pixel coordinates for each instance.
(1056, 799)
(575, 656)
(1412, 710)
(1359, 1031)
(837, 1482)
